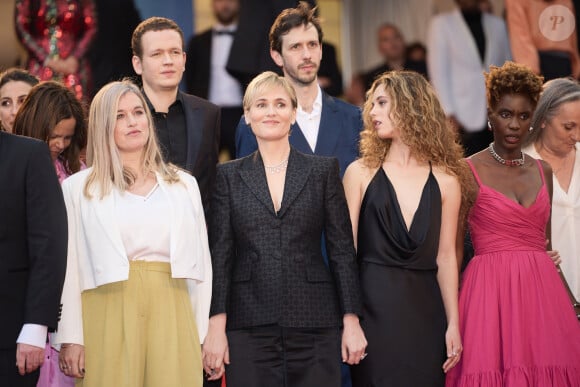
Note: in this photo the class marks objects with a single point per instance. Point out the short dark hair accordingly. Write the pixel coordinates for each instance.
(15, 74)
(291, 18)
(152, 24)
(46, 105)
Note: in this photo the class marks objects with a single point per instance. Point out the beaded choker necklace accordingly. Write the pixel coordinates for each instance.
(510, 163)
(277, 168)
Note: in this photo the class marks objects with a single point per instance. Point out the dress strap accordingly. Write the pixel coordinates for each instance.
(468, 161)
(541, 171)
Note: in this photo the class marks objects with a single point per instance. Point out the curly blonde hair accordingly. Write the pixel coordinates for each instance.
(417, 114)
(512, 78)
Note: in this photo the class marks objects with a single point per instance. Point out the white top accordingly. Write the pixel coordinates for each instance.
(566, 223)
(310, 122)
(144, 224)
(224, 90)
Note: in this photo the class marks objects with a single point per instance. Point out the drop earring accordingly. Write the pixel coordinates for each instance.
(489, 125)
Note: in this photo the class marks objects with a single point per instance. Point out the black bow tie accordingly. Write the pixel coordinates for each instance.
(224, 32)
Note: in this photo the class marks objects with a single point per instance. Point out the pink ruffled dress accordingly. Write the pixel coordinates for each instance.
(517, 323)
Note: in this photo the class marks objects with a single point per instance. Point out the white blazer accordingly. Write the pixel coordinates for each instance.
(96, 254)
(455, 68)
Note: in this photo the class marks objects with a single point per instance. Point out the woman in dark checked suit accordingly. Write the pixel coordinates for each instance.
(280, 316)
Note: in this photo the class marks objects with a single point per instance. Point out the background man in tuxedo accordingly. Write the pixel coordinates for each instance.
(33, 244)
(205, 70)
(187, 126)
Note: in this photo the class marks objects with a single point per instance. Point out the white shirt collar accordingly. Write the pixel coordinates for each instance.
(316, 106)
(221, 27)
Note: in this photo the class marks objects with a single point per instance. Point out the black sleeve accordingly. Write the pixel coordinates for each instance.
(47, 239)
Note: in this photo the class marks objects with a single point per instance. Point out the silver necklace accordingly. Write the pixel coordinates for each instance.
(510, 163)
(277, 168)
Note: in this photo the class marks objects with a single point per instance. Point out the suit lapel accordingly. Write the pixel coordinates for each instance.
(328, 131)
(468, 40)
(297, 175)
(253, 174)
(193, 119)
(298, 140)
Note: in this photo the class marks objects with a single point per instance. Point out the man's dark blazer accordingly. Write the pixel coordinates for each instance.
(338, 135)
(197, 65)
(202, 119)
(33, 237)
(268, 267)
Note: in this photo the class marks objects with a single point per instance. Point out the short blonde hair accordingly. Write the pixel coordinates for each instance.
(102, 153)
(267, 81)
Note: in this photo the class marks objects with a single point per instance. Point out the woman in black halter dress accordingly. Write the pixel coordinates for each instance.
(404, 196)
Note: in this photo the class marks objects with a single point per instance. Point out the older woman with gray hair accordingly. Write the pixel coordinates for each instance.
(554, 138)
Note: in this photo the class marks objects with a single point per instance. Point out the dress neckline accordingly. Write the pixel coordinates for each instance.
(504, 196)
(398, 205)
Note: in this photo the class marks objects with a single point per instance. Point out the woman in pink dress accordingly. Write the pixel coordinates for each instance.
(516, 321)
(51, 113)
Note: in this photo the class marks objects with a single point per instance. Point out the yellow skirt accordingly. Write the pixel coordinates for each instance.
(141, 332)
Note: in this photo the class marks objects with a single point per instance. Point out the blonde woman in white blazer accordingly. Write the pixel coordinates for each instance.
(136, 299)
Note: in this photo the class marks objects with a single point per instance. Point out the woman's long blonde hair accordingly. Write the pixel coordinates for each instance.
(418, 116)
(102, 153)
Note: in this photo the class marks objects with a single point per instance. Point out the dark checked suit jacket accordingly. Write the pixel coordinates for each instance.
(268, 267)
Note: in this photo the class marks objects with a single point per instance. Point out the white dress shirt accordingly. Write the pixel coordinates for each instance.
(310, 122)
(33, 334)
(224, 90)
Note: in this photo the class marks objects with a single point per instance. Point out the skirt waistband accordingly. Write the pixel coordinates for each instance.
(162, 267)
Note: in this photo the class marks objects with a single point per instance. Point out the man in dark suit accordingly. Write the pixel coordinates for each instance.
(33, 243)
(324, 125)
(187, 126)
(205, 70)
